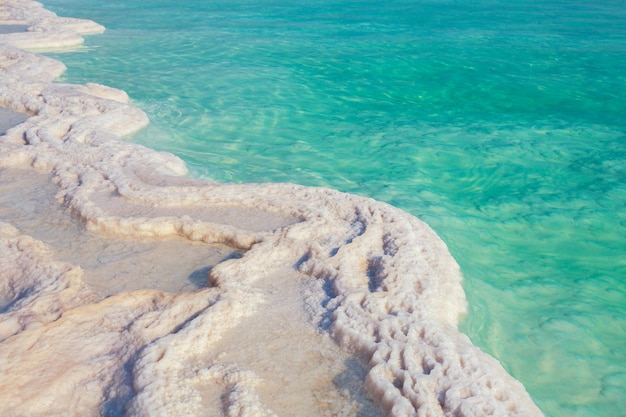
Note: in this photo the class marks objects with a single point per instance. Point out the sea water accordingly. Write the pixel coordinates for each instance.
(501, 124)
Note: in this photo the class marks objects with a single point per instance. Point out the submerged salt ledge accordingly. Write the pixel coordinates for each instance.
(380, 281)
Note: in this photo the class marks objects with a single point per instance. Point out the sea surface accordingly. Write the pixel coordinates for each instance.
(502, 124)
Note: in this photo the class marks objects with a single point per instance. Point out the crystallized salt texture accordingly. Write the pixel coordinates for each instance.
(305, 301)
(42, 29)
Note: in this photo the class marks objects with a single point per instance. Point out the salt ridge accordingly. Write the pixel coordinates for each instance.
(384, 286)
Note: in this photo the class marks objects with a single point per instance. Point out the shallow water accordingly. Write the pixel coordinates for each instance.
(500, 125)
(12, 28)
(111, 266)
(9, 118)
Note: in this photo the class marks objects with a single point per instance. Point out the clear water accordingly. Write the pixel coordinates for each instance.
(501, 124)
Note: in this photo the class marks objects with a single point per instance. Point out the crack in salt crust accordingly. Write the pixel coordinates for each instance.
(373, 278)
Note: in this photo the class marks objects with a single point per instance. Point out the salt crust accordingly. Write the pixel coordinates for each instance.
(383, 284)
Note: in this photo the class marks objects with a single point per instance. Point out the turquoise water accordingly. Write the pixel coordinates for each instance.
(501, 125)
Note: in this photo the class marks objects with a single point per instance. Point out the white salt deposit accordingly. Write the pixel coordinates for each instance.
(314, 302)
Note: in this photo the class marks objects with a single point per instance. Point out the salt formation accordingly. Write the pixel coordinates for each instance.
(313, 262)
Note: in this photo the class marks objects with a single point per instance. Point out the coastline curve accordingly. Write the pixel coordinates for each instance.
(374, 278)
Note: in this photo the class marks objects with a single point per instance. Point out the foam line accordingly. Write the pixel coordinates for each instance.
(375, 279)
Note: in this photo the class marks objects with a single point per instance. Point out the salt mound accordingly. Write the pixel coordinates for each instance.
(314, 266)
